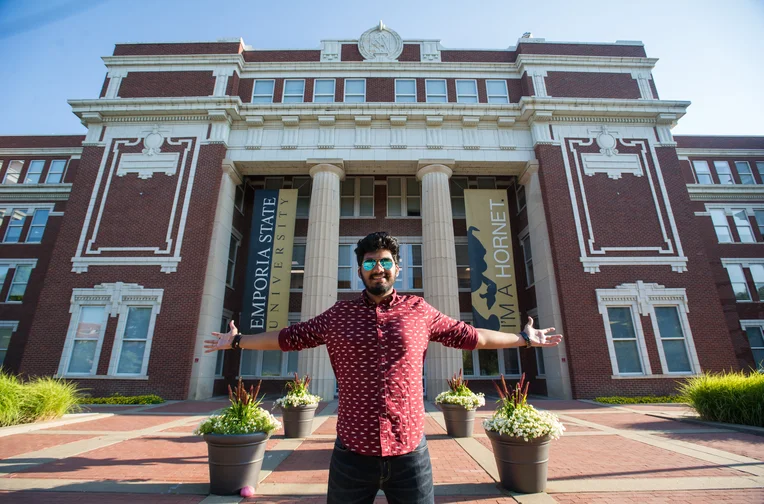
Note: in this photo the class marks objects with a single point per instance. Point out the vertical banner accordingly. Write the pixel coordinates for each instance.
(269, 265)
(492, 269)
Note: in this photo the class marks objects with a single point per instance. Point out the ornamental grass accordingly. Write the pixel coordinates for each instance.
(459, 393)
(729, 397)
(298, 394)
(243, 416)
(40, 399)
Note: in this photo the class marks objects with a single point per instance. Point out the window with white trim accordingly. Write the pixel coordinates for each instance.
(410, 277)
(466, 91)
(723, 172)
(744, 172)
(457, 185)
(56, 172)
(754, 329)
(757, 272)
(34, 172)
(463, 266)
(323, 91)
(238, 199)
(620, 320)
(759, 215)
(303, 186)
(721, 226)
(347, 278)
(490, 363)
(136, 308)
(760, 169)
(19, 283)
(262, 91)
(355, 90)
(743, 225)
(294, 91)
(7, 328)
(37, 227)
(739, 284)
(357, 197)
(702, 172)
(525, 243)
(403, 197)
(233, 253)
(520, 193)
(497, 91)
(673, 347)
(17, 218)
(435, 90)
(405, 90)
(270, 363)
(220, 354)
(298, 267)
(13, 172)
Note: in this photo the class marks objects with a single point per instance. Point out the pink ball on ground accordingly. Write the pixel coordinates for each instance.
(247, 491)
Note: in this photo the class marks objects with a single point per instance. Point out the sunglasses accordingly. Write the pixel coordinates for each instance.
(386, 263)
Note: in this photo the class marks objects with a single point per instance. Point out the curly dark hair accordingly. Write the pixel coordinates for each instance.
(380, 240)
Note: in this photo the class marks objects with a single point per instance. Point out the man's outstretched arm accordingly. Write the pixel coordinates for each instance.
(260, 341)
(488, 339)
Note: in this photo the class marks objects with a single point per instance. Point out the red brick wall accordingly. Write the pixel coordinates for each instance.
(173, 49)
(582, 324)
(281, 56)
(40, 141)
(515, 88)
(350, 52)
(166, 84)
(104, 87)
(232, 88)
(175, 331)
(654, 88)
(339, 90)
(380, 89)
(309, 83)
(245, 89)
(719, 142)
(591, 85)
(582, 50)
(478, 56)
(526, 85)
(411, 52)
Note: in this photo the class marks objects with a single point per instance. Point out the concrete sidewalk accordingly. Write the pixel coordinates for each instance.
(632, 454)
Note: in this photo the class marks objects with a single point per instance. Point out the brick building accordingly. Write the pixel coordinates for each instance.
(123, 249)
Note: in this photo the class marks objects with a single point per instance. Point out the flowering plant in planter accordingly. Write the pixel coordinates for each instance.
(297, 394)
(458, 393)
(515, 417)
(243, 416)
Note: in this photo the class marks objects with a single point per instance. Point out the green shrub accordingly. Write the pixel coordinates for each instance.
(10, 399)
(47, 398)
(120, 399)
(640, 399)
(730, 397)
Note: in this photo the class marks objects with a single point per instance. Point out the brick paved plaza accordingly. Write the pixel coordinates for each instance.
(645, 454)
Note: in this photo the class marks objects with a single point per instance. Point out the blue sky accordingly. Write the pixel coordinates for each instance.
(710, 52)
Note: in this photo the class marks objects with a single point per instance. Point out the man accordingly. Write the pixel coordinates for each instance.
(377, 344)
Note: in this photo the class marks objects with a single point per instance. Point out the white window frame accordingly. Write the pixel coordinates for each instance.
(316, 95)
(13, 163)
(14, 264)
(299, 241)
(14, 282)
(757, 273)
(760, 169)
(345, 91)
(305, 180)
(743, 223)
(758, 215)
(520, 188)
(39, 166)
(742, 174)
(13, 325)
(429, 95)
(406, 265)
(640, 337)
(284, 94)
(32, 225)
(225, 320)
(716, 210)
(745, 324)
(719, 220)
(397, 94)
(404, 199)
(11, 224)
(720, 166)
(357, 197)
(64, 163)
(464, 184)
(467, 317)
(460, 97)
(119, 338)
(356, 284)
(231, 264)
(240, 206)
(461, 241)
(505, 96)
(254, 87)
(705, 172)
(116, 298)
(525, 235)
(292, 318)
(727, 266)
(689, 346)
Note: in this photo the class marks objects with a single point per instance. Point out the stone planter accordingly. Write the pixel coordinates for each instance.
(235, 461)
(459, 420)
(298, 420)
(522, 464)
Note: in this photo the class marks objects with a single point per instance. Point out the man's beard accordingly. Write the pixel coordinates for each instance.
(378, 289)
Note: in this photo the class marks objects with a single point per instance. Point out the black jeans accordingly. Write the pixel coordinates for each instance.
(405, 479)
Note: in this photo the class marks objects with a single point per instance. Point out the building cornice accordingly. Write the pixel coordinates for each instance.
(720, 152)
(35, 192)
(602, 110)
(41, 151)
(585, 61)
(704, 192)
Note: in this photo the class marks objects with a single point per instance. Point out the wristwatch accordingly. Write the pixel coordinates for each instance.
(527, 339)
(235, 342)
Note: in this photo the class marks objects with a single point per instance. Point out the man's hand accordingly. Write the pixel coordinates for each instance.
(222, 341)
(540, 337)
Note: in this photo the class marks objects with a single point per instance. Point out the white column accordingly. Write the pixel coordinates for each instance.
(547, 300)
(441, 288)
(319, 290)
(203, 367)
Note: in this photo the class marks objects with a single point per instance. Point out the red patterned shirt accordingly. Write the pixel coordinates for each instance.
(377, 352)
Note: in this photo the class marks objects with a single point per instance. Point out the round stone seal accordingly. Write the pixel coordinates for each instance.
(380, 44)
